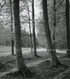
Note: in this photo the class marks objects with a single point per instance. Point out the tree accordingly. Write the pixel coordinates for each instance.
(30, 28)
(67, 28)
(54, 23)
(33, 24)
(20, 61)
(12, 41)
(53, 57)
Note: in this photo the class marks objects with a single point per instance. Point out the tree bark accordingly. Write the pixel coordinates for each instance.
(54, 23)
(53, 57)
(67, 29)
(12, 41)
(20, 61)
(33, 24)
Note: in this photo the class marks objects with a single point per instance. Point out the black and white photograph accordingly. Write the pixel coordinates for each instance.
(34, 39)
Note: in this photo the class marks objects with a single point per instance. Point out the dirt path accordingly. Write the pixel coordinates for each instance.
(28, 65)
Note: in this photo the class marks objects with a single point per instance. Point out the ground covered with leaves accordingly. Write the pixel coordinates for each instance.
(9, 62)
(42, 70)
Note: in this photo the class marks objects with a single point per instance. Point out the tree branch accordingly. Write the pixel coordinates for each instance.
(2, 5)
(59, 5)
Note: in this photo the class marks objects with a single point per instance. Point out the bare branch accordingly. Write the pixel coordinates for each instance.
(59, 4)
(2, 5)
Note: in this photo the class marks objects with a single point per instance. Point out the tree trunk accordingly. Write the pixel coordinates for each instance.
(54, 23)
(20, 61)
(53, 57)
(67, 29)
(12, 41)
(33, 24)
(30, 29)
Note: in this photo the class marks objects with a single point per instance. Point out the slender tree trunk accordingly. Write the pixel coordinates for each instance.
(54, 23)
(53, 57)
(20, 61)
(67, 28)
(30, 29)
(12, 41)
(33, 24)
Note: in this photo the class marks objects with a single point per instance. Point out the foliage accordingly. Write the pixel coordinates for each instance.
(60, 30)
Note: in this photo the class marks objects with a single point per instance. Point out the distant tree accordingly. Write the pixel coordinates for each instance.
(29, 27)
(67, 28)
(20, 61)
(53, 57)
(25, 38)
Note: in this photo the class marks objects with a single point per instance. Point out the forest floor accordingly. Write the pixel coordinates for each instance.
(39, 67)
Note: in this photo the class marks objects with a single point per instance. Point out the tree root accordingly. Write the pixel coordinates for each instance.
(58, 65)
(37, 56)
(20, 73)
